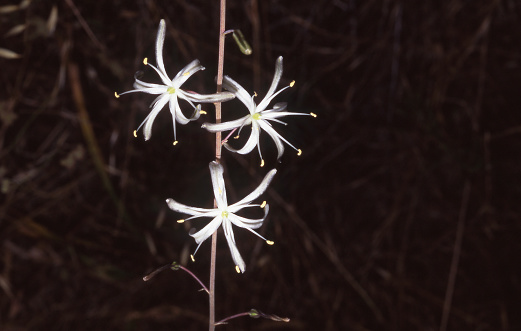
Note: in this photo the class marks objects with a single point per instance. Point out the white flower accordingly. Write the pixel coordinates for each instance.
(259, 117)
(226, 215)
(170, 91)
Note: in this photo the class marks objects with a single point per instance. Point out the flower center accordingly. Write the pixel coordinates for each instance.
(256, 116)
(224, 214)
(170, 90)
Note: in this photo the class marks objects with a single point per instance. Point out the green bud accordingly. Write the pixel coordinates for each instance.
(241, 42)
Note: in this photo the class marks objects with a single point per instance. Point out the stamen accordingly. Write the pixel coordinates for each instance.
(263, 204)
(135, 133)
(116, 95)
(269, 242)
(262, 163)
(192, 257)
(145, 61)
(236, 137)
(299, 152)
(291, 84)
(254, 93)
(180, 221)
(175, 142)
(313, 114)
(237, 269)
(202, 112)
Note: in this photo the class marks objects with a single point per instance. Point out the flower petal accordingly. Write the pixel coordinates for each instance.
(258, 191)
(253, 141)
(207, 98)
(160, 40)
(247, 223)
(226, 126)
(230, 238)
(276, 77)
(160, 103)
(208, 230)
(180, 208)
(219, 190)
(274, 135)
(239, 92)
(186, 73)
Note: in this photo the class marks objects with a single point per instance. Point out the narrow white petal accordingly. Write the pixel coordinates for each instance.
(139, 84)
(258, 191)
(226, 126)
(239, 92)
(247, 223)
(219, 190)
(266, 101)
(208, 230)
(186, 73)
(230, 238)
(208, 98)
(161, 102)
(275, 136)
(253, 141)
(160, 40)
(176, 111)
(276, 77)
(179, 207)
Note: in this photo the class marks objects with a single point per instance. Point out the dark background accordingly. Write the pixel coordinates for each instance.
(403, 213)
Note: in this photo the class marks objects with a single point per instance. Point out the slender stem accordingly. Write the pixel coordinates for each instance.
(218, 147)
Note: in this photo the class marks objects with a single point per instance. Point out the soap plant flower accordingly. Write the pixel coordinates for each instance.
(170, 91)
(225, 214)
(258, 116)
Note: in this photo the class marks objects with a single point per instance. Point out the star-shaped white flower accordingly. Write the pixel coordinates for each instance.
(170, 91)
(259, 117)
(226, 215)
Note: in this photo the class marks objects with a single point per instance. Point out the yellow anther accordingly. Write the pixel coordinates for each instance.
(192, 257)
(299, 152)
(180, 221)
(262, 163)
(269, 242)
(254, 93)
(135, 133)
(263, 204)
(145, 61)
(291, 84)
(236, 137)
(186, 73)
(116, 95)
(202, 112)
(313, 114)
(175, 142)
(237, 269)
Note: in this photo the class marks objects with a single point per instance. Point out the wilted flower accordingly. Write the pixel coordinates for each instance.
(170, 91)
(226, 215)
(259, 117)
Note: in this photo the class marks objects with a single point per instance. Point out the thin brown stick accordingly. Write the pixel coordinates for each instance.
(218, 146)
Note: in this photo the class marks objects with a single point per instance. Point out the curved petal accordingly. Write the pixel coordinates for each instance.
(226, 126)
(253, 141)
(139, 84)
(247, 223)
(160, 40)
(240, 93)
(177, 114)
(161, 102)
(230, 238)
(186, 73)
(180, 208)
(275, 136)
(208, 230)
(276, 77)
(207, 98)
(266, 101)
(219, 189)
(258, 191)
